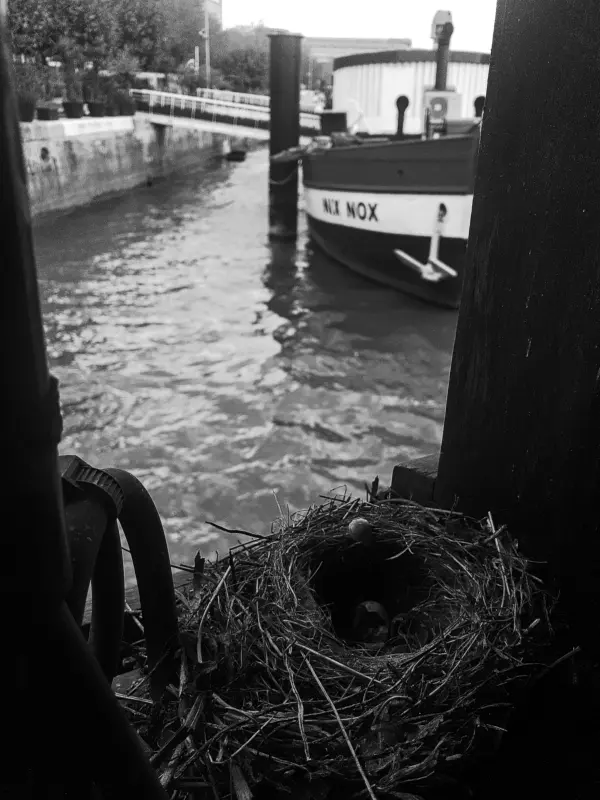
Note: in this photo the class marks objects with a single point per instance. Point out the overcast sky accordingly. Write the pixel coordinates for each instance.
(473, 19)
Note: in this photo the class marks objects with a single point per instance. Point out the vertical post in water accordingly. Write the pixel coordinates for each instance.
(285, 67)
(522, 430)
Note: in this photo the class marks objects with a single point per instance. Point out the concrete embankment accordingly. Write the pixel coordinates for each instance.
(71, 162)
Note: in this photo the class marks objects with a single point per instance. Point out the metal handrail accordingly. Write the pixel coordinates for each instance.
(154, 98)
(244, 98)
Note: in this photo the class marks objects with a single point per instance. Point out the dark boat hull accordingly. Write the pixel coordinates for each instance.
(397, 212)
(373, 256)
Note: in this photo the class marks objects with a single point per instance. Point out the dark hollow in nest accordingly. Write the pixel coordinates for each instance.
(346, 576)
(272, 692)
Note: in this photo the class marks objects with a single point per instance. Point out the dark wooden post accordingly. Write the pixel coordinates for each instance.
(522, 431)
(285, 65)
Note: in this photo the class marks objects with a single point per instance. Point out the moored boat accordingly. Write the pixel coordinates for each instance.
(397, 208)
(397, 212)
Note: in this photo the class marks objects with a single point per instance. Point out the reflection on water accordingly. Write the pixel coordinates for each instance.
(226, 373)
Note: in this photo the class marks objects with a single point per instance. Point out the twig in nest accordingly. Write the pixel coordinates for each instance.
(256, 733)
(133, 699)
(188, 726)
(134, 617)
(343, 667)
(300, 705)
(168, 773)
(323, 691)
(205, 613)
(237, 531)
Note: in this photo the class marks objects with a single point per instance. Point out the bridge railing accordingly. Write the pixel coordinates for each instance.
(216, 110)
(262, 100)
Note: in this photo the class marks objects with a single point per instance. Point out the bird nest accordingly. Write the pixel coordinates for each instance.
(380, 661)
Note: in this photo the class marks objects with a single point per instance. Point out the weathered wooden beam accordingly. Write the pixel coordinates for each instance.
(522, 431)
(415, 480)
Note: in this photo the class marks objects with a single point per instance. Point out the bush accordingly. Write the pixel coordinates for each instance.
(73, 83)
(123, 68)
(29, 79)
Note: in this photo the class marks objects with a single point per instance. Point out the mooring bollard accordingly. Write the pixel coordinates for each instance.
(402, 104)
(285, 53)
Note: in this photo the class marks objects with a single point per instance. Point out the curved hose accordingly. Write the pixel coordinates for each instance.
(86, 521)
(146, 539)
(108, 602)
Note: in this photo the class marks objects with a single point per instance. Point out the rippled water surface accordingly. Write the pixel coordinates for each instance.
(224, 372)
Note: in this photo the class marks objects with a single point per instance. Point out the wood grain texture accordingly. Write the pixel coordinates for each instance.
(415, 480)
(522, 431)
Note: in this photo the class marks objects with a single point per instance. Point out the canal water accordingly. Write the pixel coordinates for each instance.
(232, 376)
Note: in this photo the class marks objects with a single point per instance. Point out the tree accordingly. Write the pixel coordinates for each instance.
(242, 55)
(38, 28)
(35, 27)
(140, 30)
(183, 21)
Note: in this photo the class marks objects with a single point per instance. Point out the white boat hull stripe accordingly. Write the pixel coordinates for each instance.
(402, 214)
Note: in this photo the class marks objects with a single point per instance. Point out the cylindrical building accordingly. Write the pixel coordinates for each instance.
(368, 85)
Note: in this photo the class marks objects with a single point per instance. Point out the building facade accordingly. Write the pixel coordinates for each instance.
(367, 85)
(321, 52)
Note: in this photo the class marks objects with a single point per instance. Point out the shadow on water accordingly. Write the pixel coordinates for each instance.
(224, 370)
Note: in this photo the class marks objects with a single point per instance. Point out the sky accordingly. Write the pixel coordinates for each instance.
(473, 19)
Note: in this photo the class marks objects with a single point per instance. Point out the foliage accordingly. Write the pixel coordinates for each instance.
(124, 66)
(73, 86)
(92, 88)
(124, 36)
(242, 55)
(140, 28)
(183, 21)
(29, 80)
(37, 27)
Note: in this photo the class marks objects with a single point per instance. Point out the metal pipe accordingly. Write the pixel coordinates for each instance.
(442, 57)
(207, 43)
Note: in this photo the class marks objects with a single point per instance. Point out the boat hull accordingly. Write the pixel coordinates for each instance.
(397, 212)
(373, 255)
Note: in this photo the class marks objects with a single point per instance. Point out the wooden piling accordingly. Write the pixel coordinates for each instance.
(522, 431)
(285, 67)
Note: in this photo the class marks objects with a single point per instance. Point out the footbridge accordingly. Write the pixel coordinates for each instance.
(217, 111)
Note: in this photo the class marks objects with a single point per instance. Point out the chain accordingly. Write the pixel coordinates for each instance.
(285, 180)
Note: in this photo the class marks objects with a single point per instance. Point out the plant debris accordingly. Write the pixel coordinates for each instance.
(277, 688)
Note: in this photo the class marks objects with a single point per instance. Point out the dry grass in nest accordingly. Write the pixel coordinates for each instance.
(269, 689)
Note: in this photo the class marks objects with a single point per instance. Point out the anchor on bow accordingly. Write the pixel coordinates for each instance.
(433, 270)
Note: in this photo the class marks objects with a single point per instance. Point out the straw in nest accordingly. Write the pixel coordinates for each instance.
(275, 685)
